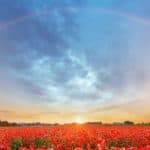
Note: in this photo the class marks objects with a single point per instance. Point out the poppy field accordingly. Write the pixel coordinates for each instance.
(75, 137)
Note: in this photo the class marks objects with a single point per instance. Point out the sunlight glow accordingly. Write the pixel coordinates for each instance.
(79, 120)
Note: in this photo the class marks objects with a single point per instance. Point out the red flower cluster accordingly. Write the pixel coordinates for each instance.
(75, 137)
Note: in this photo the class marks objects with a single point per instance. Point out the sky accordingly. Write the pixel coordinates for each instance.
(60, 60)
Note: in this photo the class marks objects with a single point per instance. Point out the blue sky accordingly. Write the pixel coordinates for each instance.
(60, 60)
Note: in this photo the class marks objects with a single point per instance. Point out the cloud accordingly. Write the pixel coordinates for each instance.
(40, 29)
(62, 58)
(121, 105)
(25, 115)
(32, 31)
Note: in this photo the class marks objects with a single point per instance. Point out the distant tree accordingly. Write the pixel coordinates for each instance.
(94, 123)
(128, 122)
(13, 124)
(4, 123)
(117, 123)
(56, 124)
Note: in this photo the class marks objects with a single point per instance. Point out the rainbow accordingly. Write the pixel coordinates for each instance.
(130, 16)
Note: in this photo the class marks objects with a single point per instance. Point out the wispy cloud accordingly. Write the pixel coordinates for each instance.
(25, 115)
(122, 105)
(73, 56)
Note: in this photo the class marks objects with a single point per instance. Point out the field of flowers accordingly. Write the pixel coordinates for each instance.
(75, 137)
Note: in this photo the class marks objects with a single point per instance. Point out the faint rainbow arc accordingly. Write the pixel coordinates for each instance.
(129, 16)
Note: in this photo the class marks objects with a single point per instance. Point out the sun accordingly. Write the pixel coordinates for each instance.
(79, 120)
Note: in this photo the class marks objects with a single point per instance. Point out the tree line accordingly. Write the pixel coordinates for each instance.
(6, 123)
(127, 122)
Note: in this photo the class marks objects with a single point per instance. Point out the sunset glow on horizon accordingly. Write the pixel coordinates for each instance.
(74, 61)
(79, 120)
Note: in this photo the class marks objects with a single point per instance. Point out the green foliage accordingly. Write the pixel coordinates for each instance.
(118, 143)
(39, 142)
(84, 147)
(93, 145)
(16, 143)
